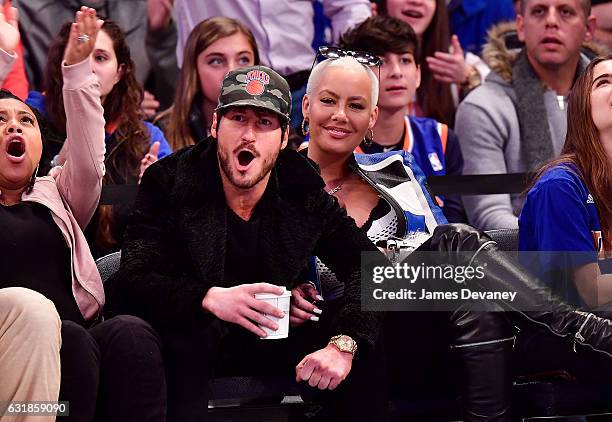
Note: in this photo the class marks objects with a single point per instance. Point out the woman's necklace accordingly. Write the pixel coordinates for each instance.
(336, 189)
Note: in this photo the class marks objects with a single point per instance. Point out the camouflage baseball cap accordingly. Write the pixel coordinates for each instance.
(256, 86)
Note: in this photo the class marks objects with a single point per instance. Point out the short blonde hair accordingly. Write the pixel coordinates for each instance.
(348, 63)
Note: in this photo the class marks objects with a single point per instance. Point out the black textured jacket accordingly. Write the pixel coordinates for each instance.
(174, 247)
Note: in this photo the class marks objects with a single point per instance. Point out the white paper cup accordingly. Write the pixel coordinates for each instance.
(282, 302)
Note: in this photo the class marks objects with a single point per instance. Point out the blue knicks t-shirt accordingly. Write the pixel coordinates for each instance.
(560, 218)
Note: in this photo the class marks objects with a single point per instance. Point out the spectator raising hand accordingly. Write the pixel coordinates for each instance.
(449, 67)
(129, 139)
(149, 104)
(159, 13)
(9, 30)
(149, 158)
(82, 38)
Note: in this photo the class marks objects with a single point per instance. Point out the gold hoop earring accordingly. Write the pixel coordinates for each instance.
(305, 127)
(368, 141)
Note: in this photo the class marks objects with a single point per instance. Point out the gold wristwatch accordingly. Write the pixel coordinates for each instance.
(344, 343)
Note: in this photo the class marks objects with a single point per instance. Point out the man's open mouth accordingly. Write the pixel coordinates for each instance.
(245, 157)
(16, 148)
(551, 40)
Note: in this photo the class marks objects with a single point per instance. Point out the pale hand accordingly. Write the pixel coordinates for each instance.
(149, 104)
(324, 369)
(9, 30)
(450, 67)
(302, 309)
(159, 13)
(149, 158)
(86, 23)
(239, 306)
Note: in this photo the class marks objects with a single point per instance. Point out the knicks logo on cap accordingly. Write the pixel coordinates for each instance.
(256, 81)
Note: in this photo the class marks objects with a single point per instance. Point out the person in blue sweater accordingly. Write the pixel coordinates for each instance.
(567, 218)
(132, 144)
(568, 211)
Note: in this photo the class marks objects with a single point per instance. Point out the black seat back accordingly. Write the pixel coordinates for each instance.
(506, 239)
(108, 265)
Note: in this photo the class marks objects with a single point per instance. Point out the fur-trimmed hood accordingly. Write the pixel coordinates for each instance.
(503, 46)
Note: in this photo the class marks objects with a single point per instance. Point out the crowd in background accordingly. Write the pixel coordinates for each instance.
(458, 43)
(455, 87)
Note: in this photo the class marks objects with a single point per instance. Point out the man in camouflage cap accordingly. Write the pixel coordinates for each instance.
(256, 86)
(235, 215)
(260, 96)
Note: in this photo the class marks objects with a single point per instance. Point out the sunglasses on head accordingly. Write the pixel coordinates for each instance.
(362, 57)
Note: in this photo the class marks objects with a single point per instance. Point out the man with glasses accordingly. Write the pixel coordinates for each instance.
(232, 217)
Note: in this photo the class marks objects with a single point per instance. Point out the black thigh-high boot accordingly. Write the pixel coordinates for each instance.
(534, 303)
(482, 344)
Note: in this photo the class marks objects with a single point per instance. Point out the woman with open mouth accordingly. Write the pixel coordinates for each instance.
(44, 251)
(29, 324)
(386, 196)
(132, 144)
(440, 57)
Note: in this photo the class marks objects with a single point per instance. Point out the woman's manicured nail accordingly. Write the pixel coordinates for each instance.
(317, 311)
(314, 318)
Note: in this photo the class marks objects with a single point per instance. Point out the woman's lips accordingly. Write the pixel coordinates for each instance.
(414, 14)
(337, 132)
(396, 88)
(15, 149)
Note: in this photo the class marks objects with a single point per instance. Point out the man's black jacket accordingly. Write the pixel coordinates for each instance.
(174, 246)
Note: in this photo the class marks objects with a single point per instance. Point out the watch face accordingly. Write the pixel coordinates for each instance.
(345, 344)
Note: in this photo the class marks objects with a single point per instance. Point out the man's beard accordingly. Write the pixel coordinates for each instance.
(240, 182)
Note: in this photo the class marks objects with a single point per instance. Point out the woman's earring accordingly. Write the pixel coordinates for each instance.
(32, 181)
(305, 127)
(368, 141)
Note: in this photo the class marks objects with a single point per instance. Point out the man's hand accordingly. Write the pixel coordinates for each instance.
(239, 306)
(149, 104)
(449, 67)
(325, 369)
(9, 30)
(82, 38)
(159, 13)
(149, 158)
(301, 309)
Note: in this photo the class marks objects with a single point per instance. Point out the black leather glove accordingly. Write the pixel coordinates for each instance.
(455, 241)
